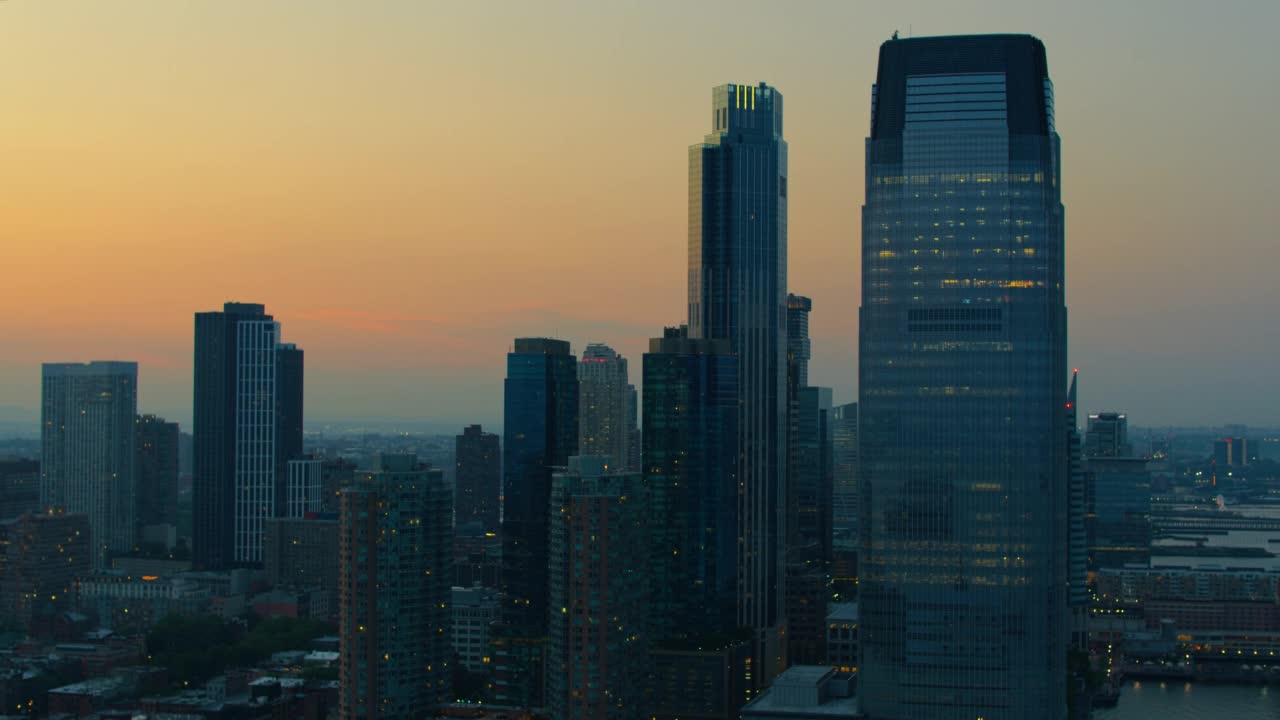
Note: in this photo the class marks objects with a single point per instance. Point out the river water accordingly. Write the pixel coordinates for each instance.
(1235, 538)
(1148, 699)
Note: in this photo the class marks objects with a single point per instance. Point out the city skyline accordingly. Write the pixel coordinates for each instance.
(160, 213)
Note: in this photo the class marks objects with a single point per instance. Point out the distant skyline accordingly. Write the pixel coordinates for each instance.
(409, 186)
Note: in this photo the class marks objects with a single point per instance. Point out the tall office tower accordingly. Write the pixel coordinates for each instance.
(844, 471)
(247, 426)
(808, 495)
(633, 429)
(844, 502)
(302, 493)
(41, 556)
(690, 447)
(156, 471)
(1078, 557)
(798, 344)
(288, 434)
(738, 292)
(962, 384)
(87, 441)
(540, 432)
(809, 515)
(395, 553)
(1118, 511)
(19, 486)
(599, 593)
(1107, 436)
(1232, 451)
(606, 414)
(478, 478)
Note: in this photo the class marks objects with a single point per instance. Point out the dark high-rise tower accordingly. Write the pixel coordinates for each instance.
(156, 471)
(690, 446)
(599, 588)
(540, 432)
(478, 478)
(809, 483)
(738, 292)
(1078, 543)
(962, 385)
(396, 568)
(606, 414)
(247, 424)
(799, 348)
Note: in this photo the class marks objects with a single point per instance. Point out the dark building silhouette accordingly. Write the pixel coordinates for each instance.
(1078, 557)
(1118, 519)
(478, 479)
(844, 471)
(156, 472)
(335, 474)
(809, 494)
(799, 348)
(738, 292)
(962, 384)
(299, 554)
(599, 592)
(1107, 435)
(19, 487)
(395, 588)
(809, 515)
(1229, 452)
(699, 658)
(690, 445)
(289, 410)
(540, 432)
(247, 424)
(40, 558)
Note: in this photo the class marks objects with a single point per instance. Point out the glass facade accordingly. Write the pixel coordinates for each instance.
(962, 385)
(690, 447)
(1119, 511)
(844, 494)
(87, 449)
(541, 432)
(247, 415)
(737, 292)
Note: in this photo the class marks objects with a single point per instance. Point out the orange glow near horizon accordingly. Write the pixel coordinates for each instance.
(407, 186)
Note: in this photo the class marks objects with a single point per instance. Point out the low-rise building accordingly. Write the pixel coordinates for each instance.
(136, 603)
(806, 691)
(474, 610)
(842, 636)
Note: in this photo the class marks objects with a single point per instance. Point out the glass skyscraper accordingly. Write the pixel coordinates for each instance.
(738, 292)
(690, 447)
(87, 442)
(962, 386)
(540, 433)
(247, 425)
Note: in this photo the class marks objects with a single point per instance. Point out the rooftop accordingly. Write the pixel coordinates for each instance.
(806, 691)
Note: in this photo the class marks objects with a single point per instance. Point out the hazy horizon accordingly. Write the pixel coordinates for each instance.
(407, 187)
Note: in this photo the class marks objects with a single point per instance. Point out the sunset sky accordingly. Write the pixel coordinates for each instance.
(409, 185)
